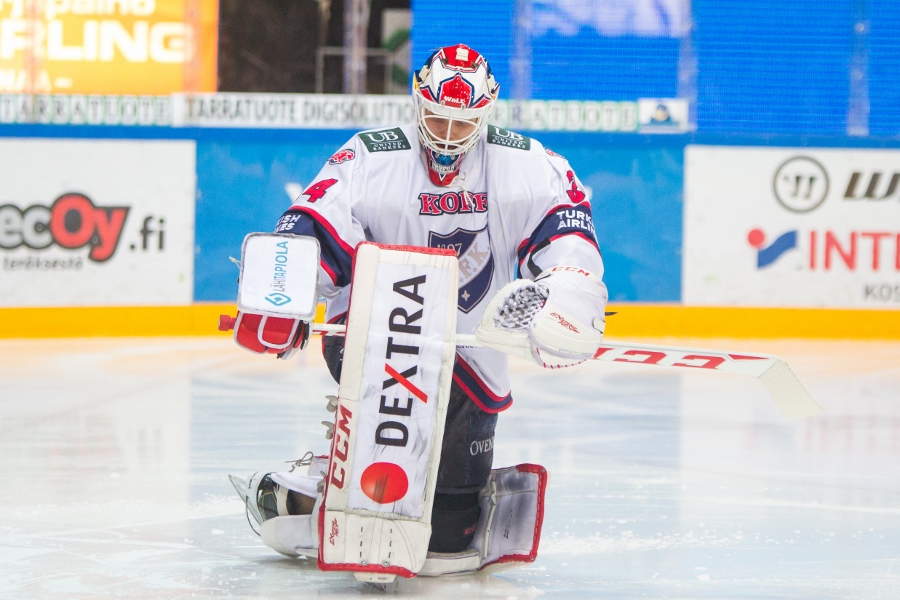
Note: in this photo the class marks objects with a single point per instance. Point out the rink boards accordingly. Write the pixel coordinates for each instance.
(737, 236)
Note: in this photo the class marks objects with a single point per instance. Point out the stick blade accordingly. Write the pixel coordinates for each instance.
(788, 393)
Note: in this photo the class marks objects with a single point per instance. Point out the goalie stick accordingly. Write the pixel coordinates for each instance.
(264, 250)
(775, 374)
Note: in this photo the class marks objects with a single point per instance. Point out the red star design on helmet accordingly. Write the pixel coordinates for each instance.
(456, 93)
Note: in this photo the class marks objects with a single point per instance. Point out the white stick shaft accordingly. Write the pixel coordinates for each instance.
(784, 387)
(327, 329)
(664, 356)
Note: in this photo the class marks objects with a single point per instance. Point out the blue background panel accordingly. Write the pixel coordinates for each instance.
(584, 66)
(636, 187)
(603, 68)
(772, 67)
(884, 67)
(485, 26)
(766, 66)
(637, 205)
(241, 189)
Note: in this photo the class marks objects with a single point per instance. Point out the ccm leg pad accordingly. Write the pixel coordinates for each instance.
(509, 528)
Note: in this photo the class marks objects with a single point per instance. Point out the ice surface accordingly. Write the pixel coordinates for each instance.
(664, 483)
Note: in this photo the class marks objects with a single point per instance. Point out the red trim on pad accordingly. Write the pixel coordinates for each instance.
(538, 519)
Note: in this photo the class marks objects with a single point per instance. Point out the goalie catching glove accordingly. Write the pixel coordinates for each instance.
(557, 320)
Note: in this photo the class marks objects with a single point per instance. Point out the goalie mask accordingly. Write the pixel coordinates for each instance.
(453, 93)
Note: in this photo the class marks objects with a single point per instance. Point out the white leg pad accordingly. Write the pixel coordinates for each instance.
(399, 350)
(509, 529)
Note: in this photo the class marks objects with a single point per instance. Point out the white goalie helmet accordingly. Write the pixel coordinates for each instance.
(454, 94)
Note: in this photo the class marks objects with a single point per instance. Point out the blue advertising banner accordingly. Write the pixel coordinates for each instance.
(245, 179)
(636, 196)
(244, 186)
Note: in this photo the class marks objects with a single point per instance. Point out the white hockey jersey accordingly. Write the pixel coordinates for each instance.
(514, 210)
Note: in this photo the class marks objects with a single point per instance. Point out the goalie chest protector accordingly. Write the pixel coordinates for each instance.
(375, 519)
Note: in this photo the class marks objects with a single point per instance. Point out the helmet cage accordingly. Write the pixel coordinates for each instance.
(454, 86)
(443, 117)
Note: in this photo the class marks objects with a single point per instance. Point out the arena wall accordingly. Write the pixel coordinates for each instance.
(747, 236)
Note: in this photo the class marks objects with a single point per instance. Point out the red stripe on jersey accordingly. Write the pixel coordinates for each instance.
(327, 226)
(556, 237)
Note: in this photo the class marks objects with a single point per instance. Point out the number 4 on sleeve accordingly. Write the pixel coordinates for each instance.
(318, 189)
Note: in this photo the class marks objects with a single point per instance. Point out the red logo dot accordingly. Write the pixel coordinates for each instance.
(384, 482)
(757, 238)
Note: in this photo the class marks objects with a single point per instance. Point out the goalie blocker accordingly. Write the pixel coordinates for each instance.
(277, 293)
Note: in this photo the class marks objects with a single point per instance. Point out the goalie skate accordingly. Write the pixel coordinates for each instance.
(282, 505)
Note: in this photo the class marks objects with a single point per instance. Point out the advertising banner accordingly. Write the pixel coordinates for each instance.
(571, 115)
(803, 227)
(640, 240)
(65, 109)
(341, 111)
(289, 111)
(149, 47)
(96, 222)
(663, 115)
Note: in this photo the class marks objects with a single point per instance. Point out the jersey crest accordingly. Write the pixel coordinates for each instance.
(476, 263)
(342, 156)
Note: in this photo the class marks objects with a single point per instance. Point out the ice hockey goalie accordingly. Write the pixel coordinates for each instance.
(446, 226)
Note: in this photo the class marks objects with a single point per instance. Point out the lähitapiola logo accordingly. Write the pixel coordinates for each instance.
(278, 299)
(800, 184)
(768, 254)
(279, 276)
